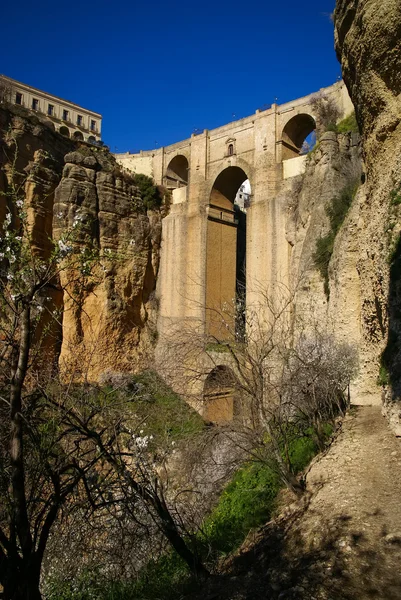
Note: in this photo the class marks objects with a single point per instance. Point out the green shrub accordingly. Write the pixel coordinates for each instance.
(150, 193)
(246, 502)
(301, 451)
(349, 124)
(250, 498)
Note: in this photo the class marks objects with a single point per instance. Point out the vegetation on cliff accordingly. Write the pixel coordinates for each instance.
(336, 211)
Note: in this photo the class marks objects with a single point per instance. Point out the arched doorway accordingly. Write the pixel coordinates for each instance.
(296, 131)
(78, 136)
(64, 131)
(225, 255)
(91, 139)
(219, 395)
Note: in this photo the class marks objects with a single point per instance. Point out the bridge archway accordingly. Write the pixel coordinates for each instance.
(225, 254)
(176, 178)
(295, 132)
(177, 172)
(220, 405)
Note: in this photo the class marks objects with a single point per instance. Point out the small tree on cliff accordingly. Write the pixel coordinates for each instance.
(326, 111)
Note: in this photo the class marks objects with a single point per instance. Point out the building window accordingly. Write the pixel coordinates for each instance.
(35, 104)
(230, 149)
(50, 110)
(80, 120)
(93, 125)
(18, 98)
(66, 116)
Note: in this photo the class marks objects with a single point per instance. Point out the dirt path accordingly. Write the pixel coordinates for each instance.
(353, 521)
(343, 541)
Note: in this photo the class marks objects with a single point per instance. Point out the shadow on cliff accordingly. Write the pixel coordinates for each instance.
(391, 357)
(277, 565)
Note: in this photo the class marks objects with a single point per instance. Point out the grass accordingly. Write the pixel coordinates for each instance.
(216, 347)
(336, 211)
(383, 378)
(156, 408)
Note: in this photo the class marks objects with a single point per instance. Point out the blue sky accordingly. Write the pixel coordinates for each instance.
(158, 70)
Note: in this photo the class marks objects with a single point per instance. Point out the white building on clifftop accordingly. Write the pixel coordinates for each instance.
(68, 118)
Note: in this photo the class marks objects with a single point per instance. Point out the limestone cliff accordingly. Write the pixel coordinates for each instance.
(368, 44)
(333, 167)
(111, 327)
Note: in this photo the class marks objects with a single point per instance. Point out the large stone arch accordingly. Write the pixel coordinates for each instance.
(225, 253)
(217, 172)
(294, 133)
(219, 395)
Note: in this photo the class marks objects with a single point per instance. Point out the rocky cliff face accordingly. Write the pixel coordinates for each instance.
(343, 309)
(368, 44)
(110, 324)
(112, 327)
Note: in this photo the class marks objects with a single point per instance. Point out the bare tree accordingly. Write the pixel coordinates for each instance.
(285, 373)
(326, 112)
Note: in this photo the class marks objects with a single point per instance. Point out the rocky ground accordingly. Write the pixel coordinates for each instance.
(343, 539)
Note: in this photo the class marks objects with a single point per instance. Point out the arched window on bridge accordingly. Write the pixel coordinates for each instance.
(297, 131)
(219, 395)
(230, 147)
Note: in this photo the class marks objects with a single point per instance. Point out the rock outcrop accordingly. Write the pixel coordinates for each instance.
(333, 168)
(110, 323)
(368, 44)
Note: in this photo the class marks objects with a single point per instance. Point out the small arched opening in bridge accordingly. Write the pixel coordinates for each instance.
(177, 172)
(298, 130)
(219, 396)
(64, 131)
(176, 178)
(226, 255)
(78, 136)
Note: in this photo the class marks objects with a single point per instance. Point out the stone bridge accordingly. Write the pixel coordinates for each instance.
(205, 239)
